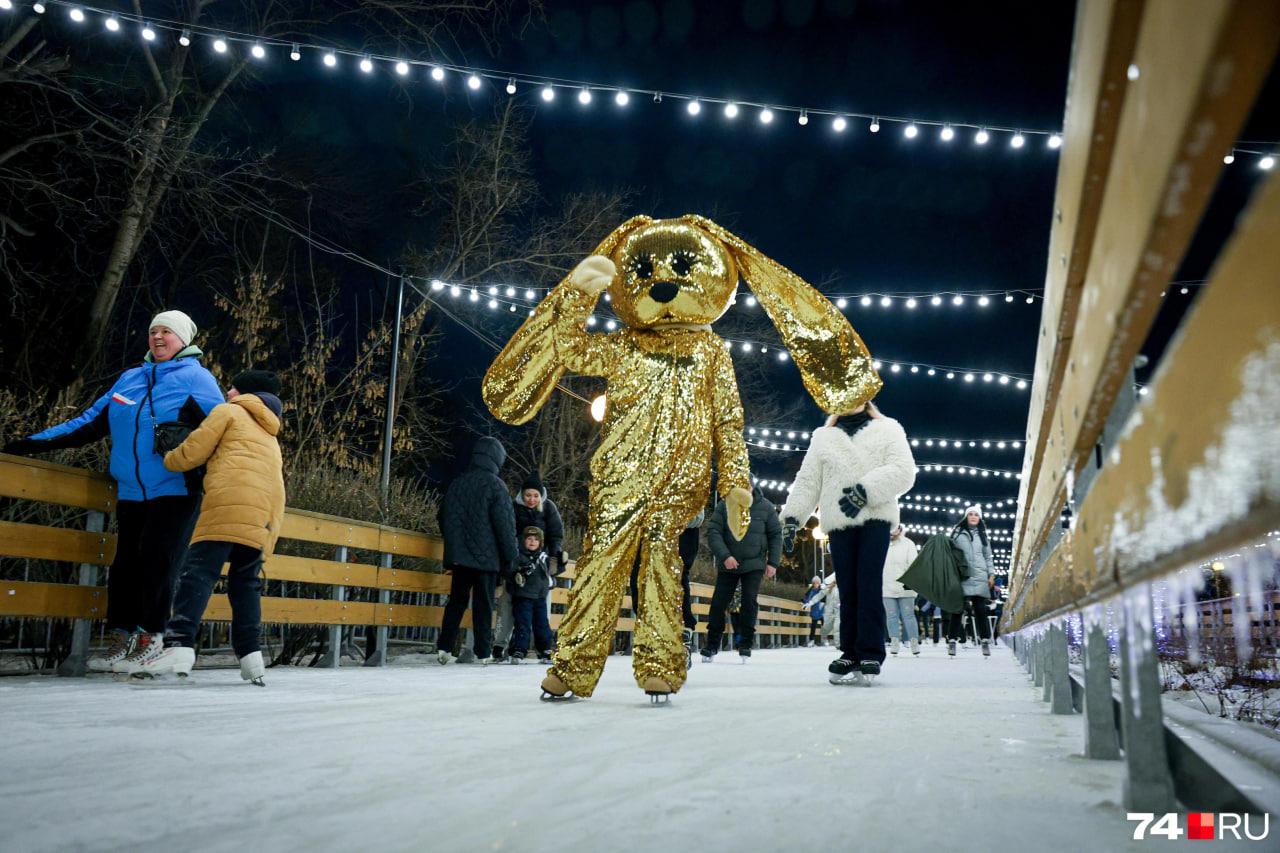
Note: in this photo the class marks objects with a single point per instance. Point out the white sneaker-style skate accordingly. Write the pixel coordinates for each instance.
(915, 647)
(894, 646)
(445, 658)
(121, 647)
(146, 648)
(174, 660)
(252, 669)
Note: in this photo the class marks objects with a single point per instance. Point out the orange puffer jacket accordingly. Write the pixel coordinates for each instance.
(244, 484)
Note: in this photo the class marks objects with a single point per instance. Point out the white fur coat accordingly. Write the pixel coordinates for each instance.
(878, 457)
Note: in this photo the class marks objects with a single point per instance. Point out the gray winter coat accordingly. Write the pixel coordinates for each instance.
(477, 519)
(761, 545)
(978, 559)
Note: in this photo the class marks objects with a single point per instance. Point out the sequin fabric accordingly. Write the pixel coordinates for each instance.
(673, 408)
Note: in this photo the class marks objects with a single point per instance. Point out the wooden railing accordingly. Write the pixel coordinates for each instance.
(1118, 490)
(780, 620)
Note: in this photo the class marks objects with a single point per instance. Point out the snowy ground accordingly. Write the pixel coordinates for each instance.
(939, 755)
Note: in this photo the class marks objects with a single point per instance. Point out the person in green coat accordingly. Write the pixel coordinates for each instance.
(741, 563)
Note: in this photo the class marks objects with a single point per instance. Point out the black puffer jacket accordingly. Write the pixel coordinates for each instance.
(762, 544)
(476, 517)
(547, 520)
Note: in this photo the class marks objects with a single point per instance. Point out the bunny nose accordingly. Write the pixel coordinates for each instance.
(663, 291)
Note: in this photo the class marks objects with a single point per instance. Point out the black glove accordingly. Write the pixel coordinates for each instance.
(22, 447)
(855, 498)
(789, 530)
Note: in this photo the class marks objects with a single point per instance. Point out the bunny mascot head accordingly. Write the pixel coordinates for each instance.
(672, 405)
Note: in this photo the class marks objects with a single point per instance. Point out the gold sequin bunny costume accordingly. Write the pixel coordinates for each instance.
(672, 404)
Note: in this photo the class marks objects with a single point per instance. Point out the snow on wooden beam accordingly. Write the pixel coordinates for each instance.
(1193, 81)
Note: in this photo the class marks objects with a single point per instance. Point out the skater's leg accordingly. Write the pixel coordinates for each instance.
(891, 617)
(123, 578)
(459, 593)
(522, 612)
(720, 598)
(688, 553)
(482, 590)
(541, 627)
(907, 615)
(980, 620)
(244, 590)
(658, 646)
(953, 626)
(200, 571)
(587, 630)
(750, 609)
(165, 536)
(844, 561)
(634, 587)
(872, 540)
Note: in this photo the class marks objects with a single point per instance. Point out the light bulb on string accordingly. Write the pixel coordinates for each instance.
(865, 302)
(1055, 141)
(1267, 163)
(948, 133)
(76, 14)
(219, 46)
(148, 34)
(622, 99)
(584, 96)
(694, 107)
(38, 8)
(935, 301)
(766, 116)
(112, 24)
(839, 124)
(984, 301)
(473, 82)
(437, 73)
(981, 137)
(511, 86)
(1008, 297)
(548, 93)
(842, 303)
(1018, 140)
(911, 302)
(366, 65)
(875, 125)
(886, 302)
(804, 118)
(402, 68)
(330, 60)
(258, 51)
(530, 295)
(294, 53)
(731, 110)
(911, 131)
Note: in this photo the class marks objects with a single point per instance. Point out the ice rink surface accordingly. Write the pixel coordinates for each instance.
(939, 755)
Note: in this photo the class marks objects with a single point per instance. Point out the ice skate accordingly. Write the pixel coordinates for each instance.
(555, 690)
(444, 658)
(986, 648)
(744, 656)
(544, 658)
(513, 658)
(174, 660)
(915, 647)
(121, 647)
(147, 647)
(894, 646)
(708, 655)
(252, 670)
(844, 671)
(869, 669)
(686, 637)
(951, 648)
(658, 691)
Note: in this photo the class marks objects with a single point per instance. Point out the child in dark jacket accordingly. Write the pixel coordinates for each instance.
(528, 587)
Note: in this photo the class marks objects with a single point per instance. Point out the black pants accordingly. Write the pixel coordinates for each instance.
(858, 555)
(478, 587)
(978, 603)
(530, 617)
(744, 625)
(151, 542)
(688, 545)
(200, 571)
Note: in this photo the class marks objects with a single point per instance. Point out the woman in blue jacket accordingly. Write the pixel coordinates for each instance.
(157, 508)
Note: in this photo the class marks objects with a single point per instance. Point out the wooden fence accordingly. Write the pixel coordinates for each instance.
(396, 589)
(1118, 490)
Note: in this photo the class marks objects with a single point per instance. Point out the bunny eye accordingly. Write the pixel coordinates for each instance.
(642, 266)
(682, 263)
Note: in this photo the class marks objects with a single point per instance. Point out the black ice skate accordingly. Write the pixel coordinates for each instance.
(951, 648)
(844, 671)
(744, 655)
(986, 648)
(869, 669)
(708, 655)
(686, 637)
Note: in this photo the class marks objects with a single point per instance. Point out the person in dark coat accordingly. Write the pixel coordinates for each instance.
(527, 589)
(744, 562)
(479, 528)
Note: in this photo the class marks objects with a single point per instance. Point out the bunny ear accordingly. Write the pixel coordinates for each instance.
(526, 372)
(834, 363)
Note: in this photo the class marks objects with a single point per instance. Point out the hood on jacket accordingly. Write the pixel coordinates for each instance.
(265, 409)
(488, 455)
(758, 494)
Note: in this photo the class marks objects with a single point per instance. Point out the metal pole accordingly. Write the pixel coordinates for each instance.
(391, 395)
(333, 659)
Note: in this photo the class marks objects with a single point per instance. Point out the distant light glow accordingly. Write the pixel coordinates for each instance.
(982, 137)
(622, 99)
(548, 93)
(839, 124)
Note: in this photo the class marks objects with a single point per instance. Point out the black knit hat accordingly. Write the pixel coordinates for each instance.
(253, 381)
(533, 481)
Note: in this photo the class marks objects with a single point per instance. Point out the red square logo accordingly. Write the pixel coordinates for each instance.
(1200, 826)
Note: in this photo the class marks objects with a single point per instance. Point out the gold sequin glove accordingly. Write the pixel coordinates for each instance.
(738, 511)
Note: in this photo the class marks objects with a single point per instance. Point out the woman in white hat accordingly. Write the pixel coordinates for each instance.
(147, 412)
(971, 535)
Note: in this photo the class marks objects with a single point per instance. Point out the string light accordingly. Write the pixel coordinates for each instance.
(76, 14)
(622, 99)
(941, 468)
(875, 125)
(437, 74)
(258, 51)
(947, 134)
(294, 53)
(185, 38)
(694, 108)
(148, 34)
(473, 83)
(766, 116)
(981, 137)
(402, 68)
(330, 59)
(911, 131)
(219, 45)
(112, 24)
(511, 86)
(839, 124)
(548, 93)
